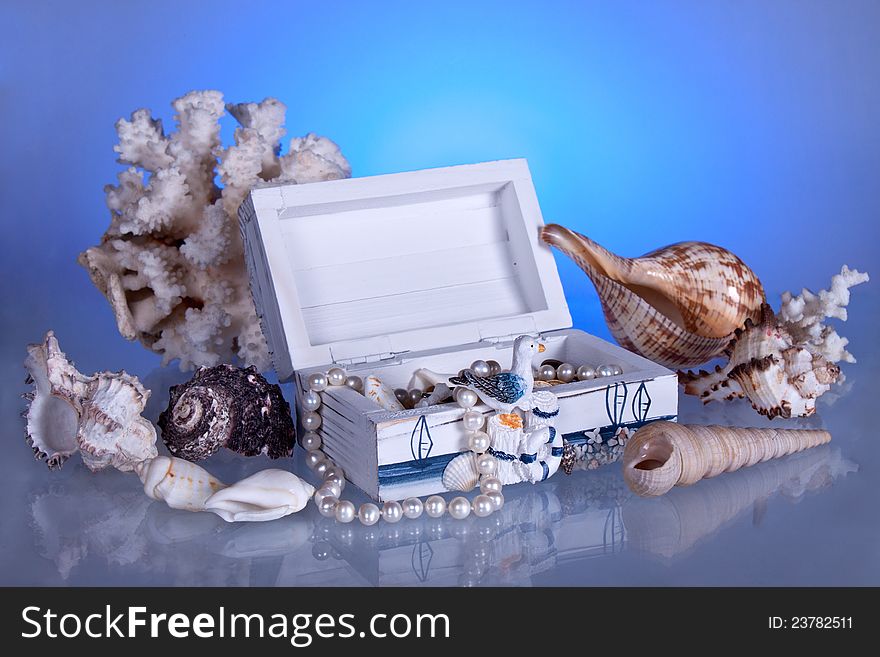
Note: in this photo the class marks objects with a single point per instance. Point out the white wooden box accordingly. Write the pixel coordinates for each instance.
(436, 268)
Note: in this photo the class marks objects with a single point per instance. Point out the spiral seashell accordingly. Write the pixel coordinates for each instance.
(180, 484)
(678, 305)
(779, 377)
(461, 473)
(227, 406)
(379, 392)
(663, 454)
(266, 495)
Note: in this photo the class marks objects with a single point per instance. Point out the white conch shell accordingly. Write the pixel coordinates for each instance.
(424, 378)
(97, 415)
(778, 376)
(180, 484)
(461, 473)
(111, 429)
(678, 305)
(266, 495)
(438, 395)
(380, 393)
(663, 454)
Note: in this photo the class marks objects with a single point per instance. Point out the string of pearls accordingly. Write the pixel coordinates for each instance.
(327, 497)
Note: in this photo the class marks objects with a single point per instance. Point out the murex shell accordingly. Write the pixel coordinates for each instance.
(227, 406)
(98, 415)
(678, 305)
(663, 454)
(779, 377)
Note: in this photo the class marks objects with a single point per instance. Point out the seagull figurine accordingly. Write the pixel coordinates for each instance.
(506, 391)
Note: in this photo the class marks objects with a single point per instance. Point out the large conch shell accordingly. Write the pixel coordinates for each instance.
(678, 305)
(266, 495)
(98, 415)
(663, 454)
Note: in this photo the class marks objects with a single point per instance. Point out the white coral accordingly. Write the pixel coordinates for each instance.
(171, 263)
(804, 315)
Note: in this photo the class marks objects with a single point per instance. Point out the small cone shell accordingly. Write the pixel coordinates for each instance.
(678, 305)
(663, 454)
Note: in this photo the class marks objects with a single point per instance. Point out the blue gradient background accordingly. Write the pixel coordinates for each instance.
(750, 124)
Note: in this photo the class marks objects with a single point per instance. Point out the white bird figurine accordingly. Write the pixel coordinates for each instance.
(506, 391)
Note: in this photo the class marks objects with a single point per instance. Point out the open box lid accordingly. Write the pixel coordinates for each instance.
(362, 269)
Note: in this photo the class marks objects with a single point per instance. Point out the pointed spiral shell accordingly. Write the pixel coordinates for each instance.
(663, 454)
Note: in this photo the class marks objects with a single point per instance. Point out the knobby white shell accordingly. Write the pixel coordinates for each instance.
(266, 495)
(663, 454)
(98, 415)
(783, 363)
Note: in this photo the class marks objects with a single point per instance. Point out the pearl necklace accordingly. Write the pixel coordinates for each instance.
(327, 497)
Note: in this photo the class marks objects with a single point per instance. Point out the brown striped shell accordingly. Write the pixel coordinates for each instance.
(678, 305)
(662, 454)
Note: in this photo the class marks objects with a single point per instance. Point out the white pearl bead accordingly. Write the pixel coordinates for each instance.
(490, 484)
(483, 506)
(392, 512)
(355, 383)
(311, 400)
(327, 506)
(369, 514)
(466, 398)
(496, 497)
(320, 494)
(479, 442)
(331, 488)
(494, 367)
(604, 370)
(480, 368)
(334, 475)
(311, 421)
(336, 377)
(402, 395)
(546, 373)
(415, 396)
(486, 464)
(617, 369)
(472, 421)
(310, 441)
(435, 506)
(313, 458)
(412, 507)
(345, 511)
(566, 372)
(459, 508)
(317, 381)
(321, 468)
(586, 372)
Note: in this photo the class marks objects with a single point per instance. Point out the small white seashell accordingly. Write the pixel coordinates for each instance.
(180, 484)
(380, 393)
(266, 495)
(461, 473)
(438, 395)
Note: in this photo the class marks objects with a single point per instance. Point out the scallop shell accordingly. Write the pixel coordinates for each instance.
(266, 495)
(98, 415)
(461, 473)
(663, 454)
(380, 393)
(227, 406)
(779, 378)
(678, 305)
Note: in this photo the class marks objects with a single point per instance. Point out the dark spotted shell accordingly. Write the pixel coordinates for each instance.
(227, 406)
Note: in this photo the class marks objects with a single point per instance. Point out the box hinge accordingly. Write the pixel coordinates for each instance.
(368, 358)
(507, 330)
